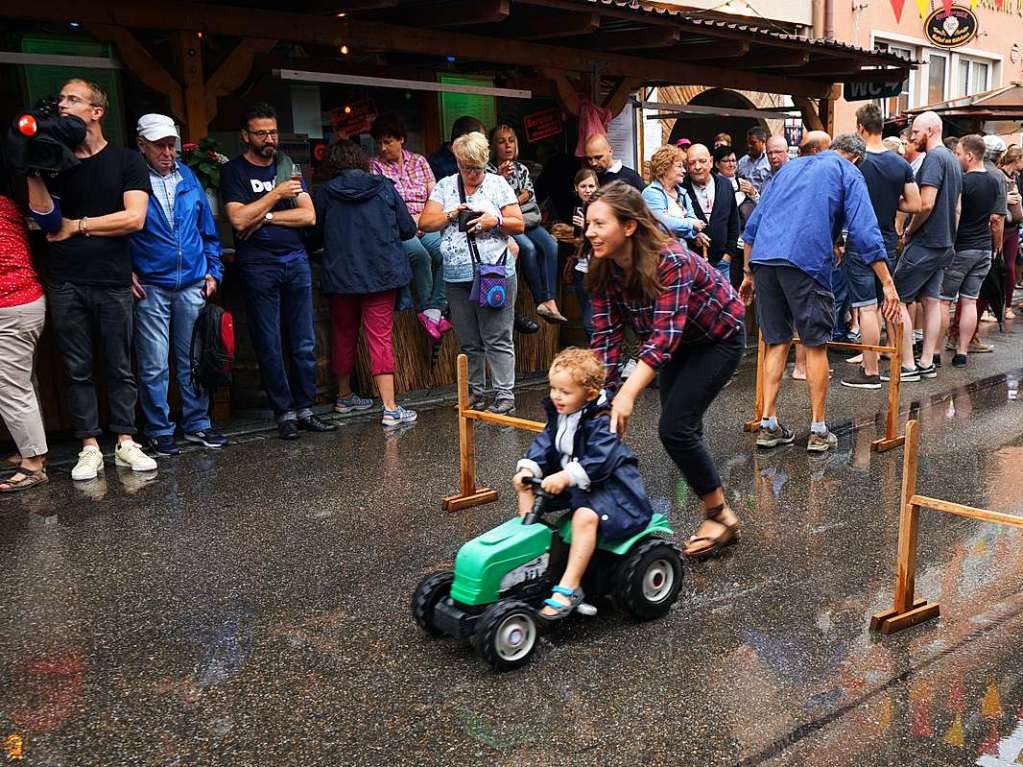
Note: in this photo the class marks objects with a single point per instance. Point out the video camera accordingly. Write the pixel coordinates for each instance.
(42, 141)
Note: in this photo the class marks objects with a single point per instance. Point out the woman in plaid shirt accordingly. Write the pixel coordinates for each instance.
(690, 324)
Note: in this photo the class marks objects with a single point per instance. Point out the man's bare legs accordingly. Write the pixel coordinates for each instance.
(932, 330)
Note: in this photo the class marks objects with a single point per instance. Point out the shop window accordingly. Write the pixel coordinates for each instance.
(897, 104)
(454, 105)
(973, 76)
(937, 70)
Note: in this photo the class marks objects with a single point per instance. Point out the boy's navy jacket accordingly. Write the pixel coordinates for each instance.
(180, 257)
(615, 483)
(362, 222)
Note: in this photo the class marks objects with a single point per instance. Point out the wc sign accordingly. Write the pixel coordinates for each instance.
(866, 91)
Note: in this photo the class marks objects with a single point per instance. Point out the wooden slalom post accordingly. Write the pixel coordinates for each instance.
(468, 494)
(908, 610)
(892, 438)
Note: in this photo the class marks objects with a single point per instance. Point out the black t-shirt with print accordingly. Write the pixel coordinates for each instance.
(980, 200)
(95, 187)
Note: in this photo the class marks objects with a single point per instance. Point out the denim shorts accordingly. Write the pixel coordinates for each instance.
(919, 272)
(864, 287)
(789, 298)
(965, 274)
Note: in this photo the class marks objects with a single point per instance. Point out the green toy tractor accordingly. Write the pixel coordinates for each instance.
(502, 577)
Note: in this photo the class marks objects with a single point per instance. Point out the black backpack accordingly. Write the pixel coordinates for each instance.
(212, 349)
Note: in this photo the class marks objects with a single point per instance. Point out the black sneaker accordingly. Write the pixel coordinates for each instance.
(525, 325)
(959, 361)
(936, 361)
(860, 380)
(502, 406)
(206, 438)
(908, 374)
(164, 445)
(315, 423)
(288, 429)
(774, 437)
(927, 372)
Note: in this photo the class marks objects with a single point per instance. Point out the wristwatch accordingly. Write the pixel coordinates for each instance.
(269, 217)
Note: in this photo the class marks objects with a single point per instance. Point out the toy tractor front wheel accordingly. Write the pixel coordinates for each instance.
(649, 579)
(506, 634)
(431, 590)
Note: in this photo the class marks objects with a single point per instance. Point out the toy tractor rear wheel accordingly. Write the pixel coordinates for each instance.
(428, 593)
(506, 634)
(649, 579)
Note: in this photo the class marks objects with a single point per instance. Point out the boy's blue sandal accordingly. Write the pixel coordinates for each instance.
(563, 610)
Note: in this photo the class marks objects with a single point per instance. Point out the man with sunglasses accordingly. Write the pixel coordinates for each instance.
(268, 206)
(88, 213)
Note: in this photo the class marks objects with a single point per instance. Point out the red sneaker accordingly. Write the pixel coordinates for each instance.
(431, 327)
(444, 326)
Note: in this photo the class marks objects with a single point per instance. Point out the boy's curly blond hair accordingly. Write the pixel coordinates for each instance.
(582, 365)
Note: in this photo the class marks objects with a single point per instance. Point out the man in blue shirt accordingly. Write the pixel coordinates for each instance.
(175, 269)
(789, 259)
(754, 166)
(268, 206)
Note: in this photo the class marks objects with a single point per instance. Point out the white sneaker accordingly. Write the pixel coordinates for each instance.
(129, 455)
(90, 463)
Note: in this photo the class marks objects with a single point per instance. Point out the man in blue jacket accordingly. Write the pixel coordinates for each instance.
(789, 260)
(176, 268)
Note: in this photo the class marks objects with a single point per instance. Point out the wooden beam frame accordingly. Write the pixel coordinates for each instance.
(142, 65)
(549, 24)
(711, 51)
(209, 19)
(468, 12)
(773, 59)
(644, 39)
(234, 71)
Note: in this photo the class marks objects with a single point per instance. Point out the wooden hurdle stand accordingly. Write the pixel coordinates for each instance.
(907, 610)
(468, 494)
(891, 438)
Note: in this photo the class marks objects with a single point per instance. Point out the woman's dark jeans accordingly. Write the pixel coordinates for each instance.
(538, 260)
(585, 304)
(689, 382)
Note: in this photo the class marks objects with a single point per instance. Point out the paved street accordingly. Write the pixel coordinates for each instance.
(251, 607)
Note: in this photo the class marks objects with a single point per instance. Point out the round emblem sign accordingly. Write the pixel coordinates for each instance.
(952, 29)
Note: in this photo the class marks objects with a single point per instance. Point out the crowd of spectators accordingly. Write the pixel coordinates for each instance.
(890, 231)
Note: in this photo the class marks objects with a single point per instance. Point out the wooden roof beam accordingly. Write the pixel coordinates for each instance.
(719, 49)
(303, 28)
(532, 25)
(335, 7)
(466, 12)
(772, 59)
(846, 68)
(643, 39)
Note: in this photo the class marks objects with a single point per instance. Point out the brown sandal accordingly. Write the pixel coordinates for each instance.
(728, 535)
(28, 479)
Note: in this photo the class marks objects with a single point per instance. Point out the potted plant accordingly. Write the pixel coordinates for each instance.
(205, 159)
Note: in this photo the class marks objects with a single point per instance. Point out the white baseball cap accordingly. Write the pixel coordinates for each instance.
(153, 127)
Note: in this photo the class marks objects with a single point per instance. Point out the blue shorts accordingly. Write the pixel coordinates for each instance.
(789, 298)
(965, 275)
(864, 287)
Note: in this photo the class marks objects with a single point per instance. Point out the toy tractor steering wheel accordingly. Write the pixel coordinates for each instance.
(539, 505)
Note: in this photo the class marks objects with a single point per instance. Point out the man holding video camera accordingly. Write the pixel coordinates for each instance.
(88, 212)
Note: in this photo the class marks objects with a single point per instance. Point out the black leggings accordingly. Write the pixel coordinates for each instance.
(689, 382)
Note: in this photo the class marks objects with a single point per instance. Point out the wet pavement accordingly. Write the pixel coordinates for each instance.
(251, 606)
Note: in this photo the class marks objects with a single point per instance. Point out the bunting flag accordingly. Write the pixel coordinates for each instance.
(948, 6)
(897, 6)
(989, 745)
(955, 736)
(991, 705)
(924, 7)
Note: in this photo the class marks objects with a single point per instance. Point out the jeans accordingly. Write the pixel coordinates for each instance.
(159, 316)
(843, 300)
(485, 336)
(83, 315)
(725, 269)
(538, 260)
(585, 304)
(689, 382)
(279, 299)
(425, 258)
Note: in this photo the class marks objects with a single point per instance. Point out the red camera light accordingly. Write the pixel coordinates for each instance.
(27, 125)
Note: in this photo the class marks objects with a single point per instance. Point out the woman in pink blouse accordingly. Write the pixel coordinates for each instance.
(414, 180)
(22, 315)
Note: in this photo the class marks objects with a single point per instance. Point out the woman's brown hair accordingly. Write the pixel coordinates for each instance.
(345, 154)
(1012, 154)
(648, 241)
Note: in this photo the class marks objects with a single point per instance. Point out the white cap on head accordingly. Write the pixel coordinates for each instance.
(994, 146)
(153, 127)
